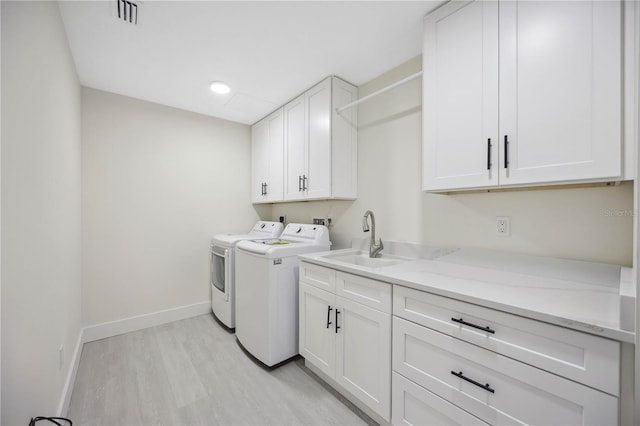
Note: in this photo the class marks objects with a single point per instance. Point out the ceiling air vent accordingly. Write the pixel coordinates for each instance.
(127, 11)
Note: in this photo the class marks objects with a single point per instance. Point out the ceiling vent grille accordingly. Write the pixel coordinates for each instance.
(127, 11)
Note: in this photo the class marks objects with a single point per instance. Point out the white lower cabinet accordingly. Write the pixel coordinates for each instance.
(457, 363)
(414, 405)
(347, 340)
(581, 357)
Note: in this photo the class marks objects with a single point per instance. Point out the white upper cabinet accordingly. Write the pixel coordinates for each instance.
(521, 93)
(460, 83)
(320, 144)
(267, 144)
(560, 91)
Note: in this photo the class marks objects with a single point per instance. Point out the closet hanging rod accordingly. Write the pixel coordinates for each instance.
(379, 92)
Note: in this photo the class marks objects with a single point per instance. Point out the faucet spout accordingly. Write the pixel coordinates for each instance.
(374, 248)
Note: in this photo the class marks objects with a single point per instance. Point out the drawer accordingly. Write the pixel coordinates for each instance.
(492, 387)
(372, 293)
(414, 405)
(318, 276)
(585, 358)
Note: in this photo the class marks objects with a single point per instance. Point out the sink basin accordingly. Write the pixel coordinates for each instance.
(361, 258)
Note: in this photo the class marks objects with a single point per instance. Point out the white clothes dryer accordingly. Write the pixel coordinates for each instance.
(267, 291)
(222, 267)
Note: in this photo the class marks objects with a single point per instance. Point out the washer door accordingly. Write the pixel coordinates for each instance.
(219, 274)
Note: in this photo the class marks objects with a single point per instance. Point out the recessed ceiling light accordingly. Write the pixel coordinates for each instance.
(220, 88)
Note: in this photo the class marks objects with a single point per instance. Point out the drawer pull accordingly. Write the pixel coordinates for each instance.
(480, 385)
(329, 316)
(337, 326)
(461, 321)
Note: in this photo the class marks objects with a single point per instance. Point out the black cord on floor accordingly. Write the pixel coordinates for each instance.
(51, 419)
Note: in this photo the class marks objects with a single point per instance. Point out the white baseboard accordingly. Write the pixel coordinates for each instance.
(126, 325)
(63, 406)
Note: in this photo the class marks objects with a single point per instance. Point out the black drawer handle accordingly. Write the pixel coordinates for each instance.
(337, 313)
(489, 154)
(329, 316)
(461, 321)
(480, 385)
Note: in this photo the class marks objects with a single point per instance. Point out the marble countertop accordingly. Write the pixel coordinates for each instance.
(584, 296)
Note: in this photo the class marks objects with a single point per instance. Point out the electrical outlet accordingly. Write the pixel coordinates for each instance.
(503, 226)
(282, 219)
(318, 221)
(61, 357)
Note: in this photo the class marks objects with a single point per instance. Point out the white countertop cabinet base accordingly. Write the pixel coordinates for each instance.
(550, 114)
(492, 387)
(344, 339)
(581, 357)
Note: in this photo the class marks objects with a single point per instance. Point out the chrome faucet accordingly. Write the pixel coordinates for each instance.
(374, 249)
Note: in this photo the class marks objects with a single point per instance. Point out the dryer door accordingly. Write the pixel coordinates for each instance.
(219, 270)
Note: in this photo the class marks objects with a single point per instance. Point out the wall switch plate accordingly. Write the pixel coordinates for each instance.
(503, 226)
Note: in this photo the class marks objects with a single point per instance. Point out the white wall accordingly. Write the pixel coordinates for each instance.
(588, 223)
(40, 209)
(158, 183)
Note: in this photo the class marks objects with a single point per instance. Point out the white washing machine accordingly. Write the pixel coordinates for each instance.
(222, 268)
(267, 291)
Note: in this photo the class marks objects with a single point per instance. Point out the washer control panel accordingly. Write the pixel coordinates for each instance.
(304, 231)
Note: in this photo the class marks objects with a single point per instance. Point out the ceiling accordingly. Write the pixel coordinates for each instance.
(267, 51)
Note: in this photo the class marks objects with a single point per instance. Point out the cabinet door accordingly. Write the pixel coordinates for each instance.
(295, 141)
(363, 354)
(560, 90)
(318, 107)
(317, 328)
(259, 160)
(460, 96)
(274, 188)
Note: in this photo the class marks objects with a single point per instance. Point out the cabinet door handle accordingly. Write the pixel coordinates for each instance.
(337, 313)
(489, 154)
(480, 385)
(262, 188)
(329, 316)
(265, 188)
(463, 322)
(304, 182)
(506, 152)
(299, 183)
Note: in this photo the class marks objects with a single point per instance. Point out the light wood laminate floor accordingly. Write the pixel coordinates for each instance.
(194, 372)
